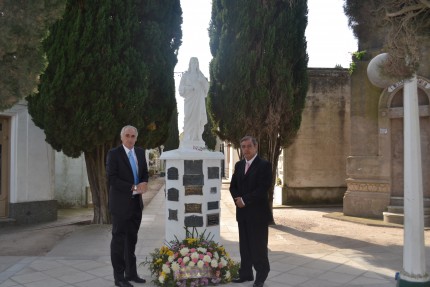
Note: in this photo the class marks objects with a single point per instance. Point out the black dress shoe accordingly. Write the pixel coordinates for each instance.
(136, 279)
(241, 280)
(258, 284)
(122, 283)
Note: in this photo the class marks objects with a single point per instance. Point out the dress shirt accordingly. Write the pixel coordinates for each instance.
(135, 160)
(249, 162)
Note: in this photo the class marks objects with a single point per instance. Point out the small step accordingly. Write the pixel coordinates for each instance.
(393, 217)
(398, 218)
(399, 209)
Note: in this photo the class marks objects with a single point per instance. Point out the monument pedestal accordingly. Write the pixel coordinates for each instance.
(193, 191)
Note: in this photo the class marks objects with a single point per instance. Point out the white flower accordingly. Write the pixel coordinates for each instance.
(200, 264)
(166, 269)
(175, 266)
(207, 258)
(171, 258)
(186, 259)
(191, 264)
(184, 251)
(214, 263)
(161, 279)
(201, 250)
(216, 255)
(194, 255)
(223, 262)
(227, 275)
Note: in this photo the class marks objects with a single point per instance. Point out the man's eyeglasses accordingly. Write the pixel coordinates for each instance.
(130, 136)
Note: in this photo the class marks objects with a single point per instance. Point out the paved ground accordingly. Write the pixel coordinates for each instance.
(38, 239)
(307, 248)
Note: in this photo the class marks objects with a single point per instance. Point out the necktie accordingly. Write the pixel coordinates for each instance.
(246, 167)
(133, 166)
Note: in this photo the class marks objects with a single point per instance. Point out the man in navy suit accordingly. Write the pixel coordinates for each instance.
(127, 173)
(249, 188)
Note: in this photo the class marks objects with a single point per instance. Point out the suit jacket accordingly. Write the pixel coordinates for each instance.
(253, 187)
(120, 179)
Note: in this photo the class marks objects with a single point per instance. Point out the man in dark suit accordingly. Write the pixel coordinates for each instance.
(127, 174)
(249, 187)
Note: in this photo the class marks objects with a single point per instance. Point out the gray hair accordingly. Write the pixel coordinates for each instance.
(246, 138)
(126, 127)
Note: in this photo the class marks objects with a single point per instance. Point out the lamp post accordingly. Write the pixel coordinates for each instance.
(413, 273)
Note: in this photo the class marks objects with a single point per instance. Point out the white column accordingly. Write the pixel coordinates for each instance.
(413, 251)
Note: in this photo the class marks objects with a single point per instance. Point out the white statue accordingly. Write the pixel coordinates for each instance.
(194, 88)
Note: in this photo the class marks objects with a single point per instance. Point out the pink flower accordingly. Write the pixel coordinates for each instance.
(192, 250)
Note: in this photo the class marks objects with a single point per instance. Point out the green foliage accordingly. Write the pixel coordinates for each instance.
(209, 137)
(23, 25)
(358, 55)
(259, 71)
(110, 63)
(172, 141)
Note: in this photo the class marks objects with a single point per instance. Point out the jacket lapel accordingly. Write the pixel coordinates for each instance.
(252, 167)
(125, 158)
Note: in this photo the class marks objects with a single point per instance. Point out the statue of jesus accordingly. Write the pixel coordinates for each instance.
(194, 88)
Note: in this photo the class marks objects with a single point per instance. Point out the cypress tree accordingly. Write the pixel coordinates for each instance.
(258, 72)
(23, 25)
(110, 63)
(172, 141)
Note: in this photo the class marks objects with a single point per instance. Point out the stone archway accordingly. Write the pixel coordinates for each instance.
(391, 144)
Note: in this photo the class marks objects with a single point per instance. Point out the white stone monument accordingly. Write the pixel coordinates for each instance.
(193, 174)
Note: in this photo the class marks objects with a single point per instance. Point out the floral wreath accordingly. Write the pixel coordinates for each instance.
(193, 262)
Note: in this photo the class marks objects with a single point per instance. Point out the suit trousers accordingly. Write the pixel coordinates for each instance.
(123, 244)
(253, 240)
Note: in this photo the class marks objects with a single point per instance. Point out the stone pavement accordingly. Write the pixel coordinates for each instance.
(302, 259)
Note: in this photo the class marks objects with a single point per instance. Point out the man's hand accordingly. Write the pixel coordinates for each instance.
(239, 202)
(142, 187)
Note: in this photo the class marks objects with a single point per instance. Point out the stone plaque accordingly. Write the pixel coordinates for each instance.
(193, 179)
(213, 172)
(173, 194)
(193, 190)
(193, 208)
(173, 214)
(193, 166)
(193, 221)
(193, 172)
(213, 219)
(213, 205)
(213, 190)
(172, 173)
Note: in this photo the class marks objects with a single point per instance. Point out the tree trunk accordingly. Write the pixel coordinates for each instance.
(96, 171)
(273, 151)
